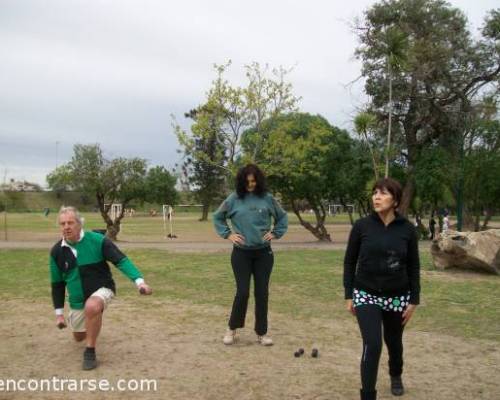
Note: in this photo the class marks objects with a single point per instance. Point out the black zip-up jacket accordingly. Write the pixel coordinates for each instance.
(383, 260)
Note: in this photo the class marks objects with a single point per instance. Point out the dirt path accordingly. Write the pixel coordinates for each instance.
(179, 345)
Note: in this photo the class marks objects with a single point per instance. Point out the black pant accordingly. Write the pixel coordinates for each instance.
(246, 263)
(371, 318)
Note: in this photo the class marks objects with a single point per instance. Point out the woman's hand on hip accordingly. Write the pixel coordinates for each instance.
(268, 237)
(350, 306)
(236, 238)
(407, 314)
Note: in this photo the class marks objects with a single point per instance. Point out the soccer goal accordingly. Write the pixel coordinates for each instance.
(114, 211)
(339, 208)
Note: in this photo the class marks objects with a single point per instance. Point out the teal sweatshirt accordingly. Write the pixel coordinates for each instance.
(251, 217)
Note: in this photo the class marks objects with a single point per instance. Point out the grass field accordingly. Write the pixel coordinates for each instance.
(35, 226)
(304, 284)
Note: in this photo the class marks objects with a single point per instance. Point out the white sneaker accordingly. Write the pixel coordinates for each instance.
(229, 337)
(265, 340)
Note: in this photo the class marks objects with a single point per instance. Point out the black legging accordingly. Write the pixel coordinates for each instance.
(246, 263)
(370, 319)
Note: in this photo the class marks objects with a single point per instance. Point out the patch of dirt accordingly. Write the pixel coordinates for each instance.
(180, 345)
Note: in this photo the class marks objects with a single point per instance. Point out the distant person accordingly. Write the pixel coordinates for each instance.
(78, 265)
(382, 283)
(446, 223)
(251, 209)
(432, 227)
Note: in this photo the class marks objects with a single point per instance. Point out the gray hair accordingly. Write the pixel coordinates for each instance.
(70, 209)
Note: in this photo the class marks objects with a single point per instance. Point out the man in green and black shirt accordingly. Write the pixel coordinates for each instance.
(78, 264)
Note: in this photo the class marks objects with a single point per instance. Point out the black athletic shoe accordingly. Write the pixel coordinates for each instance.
(397, 388)
(89, 360)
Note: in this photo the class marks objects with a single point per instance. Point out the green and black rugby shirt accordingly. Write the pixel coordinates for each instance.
(82, 268)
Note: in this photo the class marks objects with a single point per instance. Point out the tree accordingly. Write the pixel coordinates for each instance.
(482, 170)
(396, 44)
(212, 149)
(266, 98)
(110, 181)
(444, 70)
(364, 124)
(352, 178)
(160, 186)
(266, 95)
(204, 153)
(302, 159)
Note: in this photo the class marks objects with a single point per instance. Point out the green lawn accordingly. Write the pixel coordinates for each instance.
(27, 226)
(305, 284)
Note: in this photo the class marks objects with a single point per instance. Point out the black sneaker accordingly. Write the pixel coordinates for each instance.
(89, 360)
(397, 388)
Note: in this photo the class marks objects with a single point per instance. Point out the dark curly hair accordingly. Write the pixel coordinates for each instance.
(392, 186)
(241, 180)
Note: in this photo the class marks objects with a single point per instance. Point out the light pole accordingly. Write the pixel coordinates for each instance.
(57, 152)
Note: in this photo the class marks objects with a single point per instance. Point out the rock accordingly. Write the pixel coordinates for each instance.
(478, 251)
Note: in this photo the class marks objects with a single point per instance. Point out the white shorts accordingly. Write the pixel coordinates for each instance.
(76, 318)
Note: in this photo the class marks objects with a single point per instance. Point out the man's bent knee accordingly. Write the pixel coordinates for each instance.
(94, 305)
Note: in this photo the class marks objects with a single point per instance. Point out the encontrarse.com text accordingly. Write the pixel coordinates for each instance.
(56, 384)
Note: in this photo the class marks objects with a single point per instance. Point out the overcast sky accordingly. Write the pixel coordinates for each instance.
(112, 72)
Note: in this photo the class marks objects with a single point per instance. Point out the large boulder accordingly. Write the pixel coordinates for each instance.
(479, 251)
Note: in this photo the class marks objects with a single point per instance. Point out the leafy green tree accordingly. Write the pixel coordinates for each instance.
(204, 154)
(365, 124)
(212, 148)
(302, 158)
(444, 70)
(160, 186)
(119, 180)
(266, 98)
(395, 44)
(352, 178)
(482, 171)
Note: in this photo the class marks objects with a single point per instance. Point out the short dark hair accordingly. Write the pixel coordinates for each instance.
(241, 180)
(392, 186)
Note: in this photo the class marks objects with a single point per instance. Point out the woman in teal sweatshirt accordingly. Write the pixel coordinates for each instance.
(251, 209)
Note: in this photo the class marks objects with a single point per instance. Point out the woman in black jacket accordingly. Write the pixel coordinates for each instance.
(382, 283)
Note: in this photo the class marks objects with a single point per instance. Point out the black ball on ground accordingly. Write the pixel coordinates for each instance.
(315, 353)
(301, 350)
(296, 354)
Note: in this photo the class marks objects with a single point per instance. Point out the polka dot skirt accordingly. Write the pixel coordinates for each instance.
(393, 303)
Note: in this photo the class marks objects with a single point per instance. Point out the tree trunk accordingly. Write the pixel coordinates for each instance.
(112, 227)
(319, 231)
(388, 149)
(408, 192)
(349, 211)
(112, 230)
(204, 211)
(374, 161)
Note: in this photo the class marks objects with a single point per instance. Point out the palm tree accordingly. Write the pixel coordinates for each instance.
(364, 123)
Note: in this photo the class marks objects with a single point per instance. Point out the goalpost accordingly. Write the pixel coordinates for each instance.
(338, 208)
(168, 215)
(114, 211)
